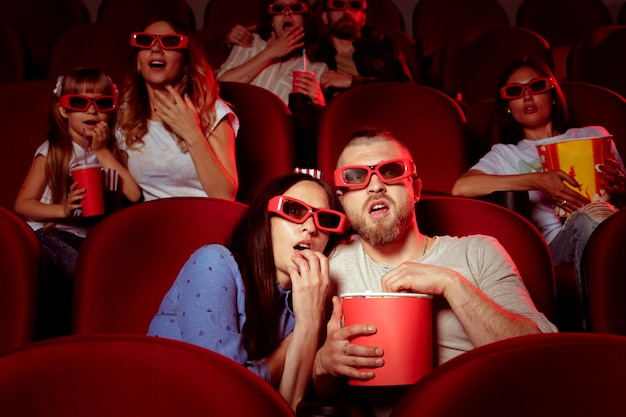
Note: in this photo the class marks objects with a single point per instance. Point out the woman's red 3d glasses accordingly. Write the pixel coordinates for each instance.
(295, 8)
(145, 40)
(297, 211)
(536, 86)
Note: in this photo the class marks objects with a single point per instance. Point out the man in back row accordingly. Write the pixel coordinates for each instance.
(355, 54)
(479, 296)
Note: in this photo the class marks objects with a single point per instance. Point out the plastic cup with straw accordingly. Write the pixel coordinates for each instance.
(84, 147)
(298, 74)
(89, 177)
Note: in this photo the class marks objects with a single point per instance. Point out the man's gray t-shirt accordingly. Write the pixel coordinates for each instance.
(480, 259)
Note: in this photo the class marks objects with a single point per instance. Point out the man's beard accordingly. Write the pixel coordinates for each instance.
(385, 231)
(345, 28)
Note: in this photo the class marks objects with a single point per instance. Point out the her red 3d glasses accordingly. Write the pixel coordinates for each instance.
(297, 211)
(78, 102)
(388, 172)
(145, 40)
(295, 8)
(536, 86)
(354, 5)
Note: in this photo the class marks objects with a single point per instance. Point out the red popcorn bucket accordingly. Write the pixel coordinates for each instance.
(404, 332)
(580, 159)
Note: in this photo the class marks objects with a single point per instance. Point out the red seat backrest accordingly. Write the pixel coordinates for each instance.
(20, 266)
(602, 268)
(542, 375)
(130, 375)
(427, 121)
(131, 258)
(457, 216)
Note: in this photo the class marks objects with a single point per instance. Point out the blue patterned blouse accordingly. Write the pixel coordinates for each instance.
(206, 307)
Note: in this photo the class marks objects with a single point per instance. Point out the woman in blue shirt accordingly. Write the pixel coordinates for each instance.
(241, 300)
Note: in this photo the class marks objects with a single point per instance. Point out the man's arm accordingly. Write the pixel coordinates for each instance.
(491, 306)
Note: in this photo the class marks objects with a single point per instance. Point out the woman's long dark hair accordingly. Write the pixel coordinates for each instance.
(251, 245)
(511, 131)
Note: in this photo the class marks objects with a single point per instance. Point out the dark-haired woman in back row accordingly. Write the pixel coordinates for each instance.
(531, 111)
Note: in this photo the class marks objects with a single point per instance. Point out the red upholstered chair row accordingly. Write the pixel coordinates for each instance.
(544, 375)
(20, 266)
(603, 273)
(130, 259)
(130, 375)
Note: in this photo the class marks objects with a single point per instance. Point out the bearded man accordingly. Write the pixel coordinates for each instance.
(478, 295)
(355, 54)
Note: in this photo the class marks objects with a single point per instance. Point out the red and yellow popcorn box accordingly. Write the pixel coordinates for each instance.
(580, 159)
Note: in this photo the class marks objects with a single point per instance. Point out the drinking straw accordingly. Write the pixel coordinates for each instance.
(304, 59)
(84, 146)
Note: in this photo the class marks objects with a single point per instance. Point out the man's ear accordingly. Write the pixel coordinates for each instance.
(324, 16)
(417, 189)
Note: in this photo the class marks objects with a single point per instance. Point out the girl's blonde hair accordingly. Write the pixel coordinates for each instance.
(79, 81)
(197, 81)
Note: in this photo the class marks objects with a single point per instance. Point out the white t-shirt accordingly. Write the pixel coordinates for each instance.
(523, 158)
(278, 76)
(159, 166)
(480, 259)
(78, 158)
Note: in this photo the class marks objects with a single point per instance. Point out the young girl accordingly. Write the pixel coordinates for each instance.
(83, 104)
(261, 299)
